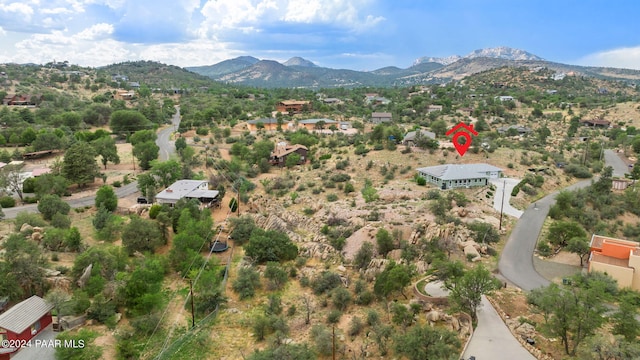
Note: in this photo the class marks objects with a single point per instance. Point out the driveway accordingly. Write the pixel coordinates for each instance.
(41, 351)
(619, 166)
(504, 187)
(492, 339)
(167, 148)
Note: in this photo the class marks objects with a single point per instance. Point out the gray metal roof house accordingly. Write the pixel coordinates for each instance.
(410, 138)
(190, 189)
(451, 176)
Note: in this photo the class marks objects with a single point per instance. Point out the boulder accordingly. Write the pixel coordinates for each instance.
(471, 251)
(26, 227)
(36, 236)
(38, 229)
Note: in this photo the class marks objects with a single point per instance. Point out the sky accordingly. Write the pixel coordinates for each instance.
(346, 34)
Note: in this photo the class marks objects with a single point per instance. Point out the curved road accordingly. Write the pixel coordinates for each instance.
(167, 148)
(516, 261)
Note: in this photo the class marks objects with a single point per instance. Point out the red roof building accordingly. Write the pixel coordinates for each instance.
(24, 321)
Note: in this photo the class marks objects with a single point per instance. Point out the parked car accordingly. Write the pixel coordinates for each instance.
(142, 200)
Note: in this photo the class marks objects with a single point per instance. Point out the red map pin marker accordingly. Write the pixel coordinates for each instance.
(457, 132)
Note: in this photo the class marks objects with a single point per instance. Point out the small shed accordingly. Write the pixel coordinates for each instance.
(25, 320)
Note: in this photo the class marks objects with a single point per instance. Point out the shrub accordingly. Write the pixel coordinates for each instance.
(544, 249)
(7, 202)
(421, 181)
(332, 197)
(154, 210)
(325, 282)
(341, 177)
(117, 184)
(29, 185)
(334, 316)
(51, 204)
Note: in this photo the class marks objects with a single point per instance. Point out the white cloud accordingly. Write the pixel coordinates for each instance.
(2, 31)
(625, 58)
(56, 11)
(339, 12)
(19, 9)
(95, 32)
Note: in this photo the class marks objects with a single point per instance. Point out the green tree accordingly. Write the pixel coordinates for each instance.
(469, 288)
(50, 205)
(106, 148)
(28, 135)
(276, 275)
(341, 298)
(270, 245)
(369, 193)
(384, 242)
(60, 301)
(246, 283)
(50, 184)
(242, 227)
(166, 172)
(79, 165)
(142, 289)
(606, 347)
(106, 197)
(293, 159)
(48, 141)
(571, 313)
(560, 232)
(579, 246)
(146, 152)
(128, 121)
(141, 235)
(625, 319)
(394, 277)
(363, 256)
(142, 136)
(424, 342)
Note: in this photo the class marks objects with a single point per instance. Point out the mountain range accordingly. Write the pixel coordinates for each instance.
(302, 73)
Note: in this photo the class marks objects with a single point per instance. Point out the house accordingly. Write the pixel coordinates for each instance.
(317, 124)
(24, 321)
(380, 117)
(21, 100)
(410, 138)
(618, 258)
(293, 106)
(432, 108)
(466, 111)
(134, 84)
(332, 101)
(504, 98)
(279, 155)
(188, 189)
(601, 123)
(124, 94)
(451, 176)
(514, 130)
(374, 99)
(269, 124)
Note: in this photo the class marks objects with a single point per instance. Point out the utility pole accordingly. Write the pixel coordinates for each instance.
(193, 314)
(504, 186)
(333, 347)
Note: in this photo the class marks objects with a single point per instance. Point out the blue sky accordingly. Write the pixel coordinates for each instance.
(351, 34)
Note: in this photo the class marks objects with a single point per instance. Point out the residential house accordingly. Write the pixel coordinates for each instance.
(21, 100)
(269, 124)
(188, 189)
(451, 176)
(381, 117)
(24, 321)
(619, 258)
(119, 78)
(374, 99)
(514, 130)
(293, 106)
(410, 138)
(282, 151)
(316, 124)
(332, 101)
(124, 94)
(468, 111)
(134, 84)
(504, 98)
(601, 123)
(558, 76)
(432, 108)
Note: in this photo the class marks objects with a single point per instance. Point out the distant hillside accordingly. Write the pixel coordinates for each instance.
(157, 75)
(298, 61)
(224, 67)
(298, 72)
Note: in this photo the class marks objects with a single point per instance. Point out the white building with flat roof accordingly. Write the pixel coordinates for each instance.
(189, 189)
(451, 176)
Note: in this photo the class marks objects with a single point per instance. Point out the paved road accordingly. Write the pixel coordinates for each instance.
(516, 260)
(167, 148)
(498, 204)
(612, 159)
(492, 339)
